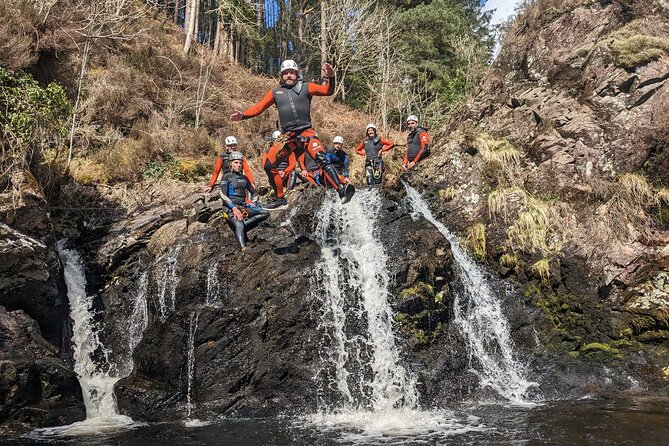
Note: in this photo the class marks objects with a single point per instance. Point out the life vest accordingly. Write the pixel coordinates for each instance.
(310, 164)
(235, 186)
(372, 147)
(336, 158)
(413, 143)
(225, 167)
(294, 106)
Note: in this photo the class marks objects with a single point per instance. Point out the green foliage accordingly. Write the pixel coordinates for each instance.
(168, 166)
(440, 40)
(33, 119)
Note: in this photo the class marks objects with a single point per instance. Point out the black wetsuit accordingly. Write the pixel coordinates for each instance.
(233, 191)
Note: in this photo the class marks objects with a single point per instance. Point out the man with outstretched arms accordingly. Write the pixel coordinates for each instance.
(371, 148)
(223, 164)
(293, 101)
(236, 192)
(418, 143)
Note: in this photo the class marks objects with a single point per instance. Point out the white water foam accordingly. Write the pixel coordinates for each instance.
(97, 385)
(479, 315)
(365, 394)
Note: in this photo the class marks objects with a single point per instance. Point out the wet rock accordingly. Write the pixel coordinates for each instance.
(37, 388)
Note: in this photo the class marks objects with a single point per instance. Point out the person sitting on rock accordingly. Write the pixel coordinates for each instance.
(338, 157)
(371, 148)
(241, 215)
(223, 164)
(311, 171)
(418, 143)
(283, 166)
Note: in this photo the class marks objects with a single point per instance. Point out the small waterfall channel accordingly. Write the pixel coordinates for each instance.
(96, 381)
(363, 386)
(479, 315)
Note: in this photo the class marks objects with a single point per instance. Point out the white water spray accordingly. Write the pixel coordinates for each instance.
(192, 330)
(367, 371)
(213, 287)
(97, 385)
(479, 315)
(364, 391)
(167, 281)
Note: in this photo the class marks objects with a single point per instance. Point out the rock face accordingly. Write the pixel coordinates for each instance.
(37, 388)
(37, 384)
(561, 158)
(247, 321)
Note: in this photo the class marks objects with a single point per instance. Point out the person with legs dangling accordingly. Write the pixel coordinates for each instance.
(293, 101)
(236, 192)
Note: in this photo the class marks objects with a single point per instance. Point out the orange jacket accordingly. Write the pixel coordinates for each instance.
(219, 166)
(424, 140)
(386, 145)
(268, 99)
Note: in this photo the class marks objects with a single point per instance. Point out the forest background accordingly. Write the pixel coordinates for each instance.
(124, 90)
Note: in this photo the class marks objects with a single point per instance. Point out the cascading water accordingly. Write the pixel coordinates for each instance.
(97, 384)
(168, 280)
(192, 330)
(213, 287)
(363, 363)
(478, 313)
(362, 383)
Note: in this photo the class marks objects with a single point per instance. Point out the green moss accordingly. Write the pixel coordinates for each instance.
(574, 354)
(419, 289)
(599, 347)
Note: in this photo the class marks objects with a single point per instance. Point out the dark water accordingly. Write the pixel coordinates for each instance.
(619, 422)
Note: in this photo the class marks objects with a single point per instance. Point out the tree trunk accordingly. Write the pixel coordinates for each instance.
(323, 34)
(191, 8)
(177, 5)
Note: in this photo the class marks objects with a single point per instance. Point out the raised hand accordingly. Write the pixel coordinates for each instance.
(328, 71)
(236, 116)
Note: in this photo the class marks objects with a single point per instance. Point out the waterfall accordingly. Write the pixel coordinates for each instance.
(362, 367)
(364, 392)
(97, 384)
(167, 281)
(478, 314)
(213, 286)
(192, 330)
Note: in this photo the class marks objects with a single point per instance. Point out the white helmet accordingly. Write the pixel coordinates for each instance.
(289, 64)
(236, 156)
(230, 140)
(412, 118)
(338, 140)
(276, 134)
(371, 126)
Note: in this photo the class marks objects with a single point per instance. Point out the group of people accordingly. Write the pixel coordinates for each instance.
(298, 142)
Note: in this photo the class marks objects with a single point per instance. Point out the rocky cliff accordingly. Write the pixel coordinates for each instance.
(556, 174)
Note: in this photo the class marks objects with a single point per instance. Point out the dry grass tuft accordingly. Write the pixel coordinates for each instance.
(635, 44)
(498, 201)
(508, 261)
(542, 268)
(476, 240)
(502, 159)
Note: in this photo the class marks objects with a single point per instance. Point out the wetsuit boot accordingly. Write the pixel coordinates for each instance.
(345, 191)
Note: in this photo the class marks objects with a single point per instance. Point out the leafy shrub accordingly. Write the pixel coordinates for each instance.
(33, 119)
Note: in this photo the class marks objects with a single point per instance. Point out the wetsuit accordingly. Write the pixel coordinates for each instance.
(294, 107)
(371, 149)
(234, 187)
(311, 171)
(283, 163)
(223, 164)
(418, 145)
(339, 160)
